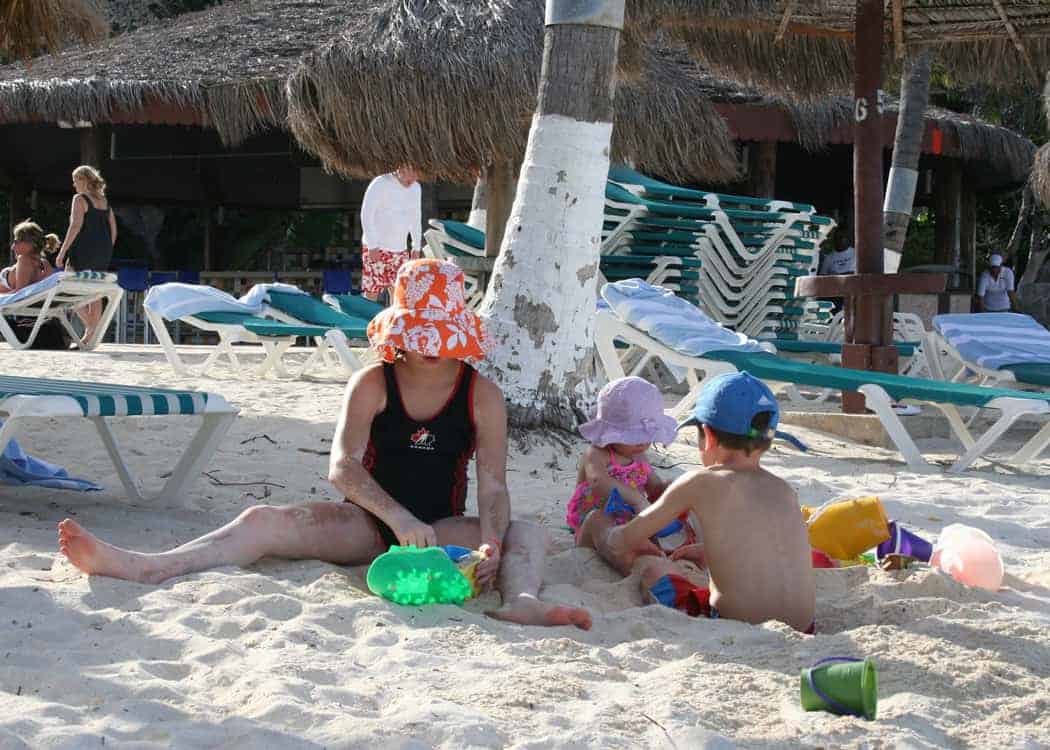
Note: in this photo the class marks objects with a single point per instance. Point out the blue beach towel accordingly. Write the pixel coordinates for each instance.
(20, 469)
(996, 340)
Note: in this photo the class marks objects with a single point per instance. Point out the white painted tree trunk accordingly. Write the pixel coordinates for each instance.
(540, 306)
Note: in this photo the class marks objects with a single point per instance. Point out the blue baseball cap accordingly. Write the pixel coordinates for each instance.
(730, 401)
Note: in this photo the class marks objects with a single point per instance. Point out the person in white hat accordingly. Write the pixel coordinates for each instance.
(995, 287)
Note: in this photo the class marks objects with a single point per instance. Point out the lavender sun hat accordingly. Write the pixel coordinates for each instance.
(631, 412)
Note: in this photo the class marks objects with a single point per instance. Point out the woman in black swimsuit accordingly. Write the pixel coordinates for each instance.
(92, 233)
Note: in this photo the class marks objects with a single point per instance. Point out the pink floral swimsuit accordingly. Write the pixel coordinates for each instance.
(583, 501)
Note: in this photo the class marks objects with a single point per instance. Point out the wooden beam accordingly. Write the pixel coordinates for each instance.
(782, 29)
(870, 284)
(898, 28)
(679, 20)
(762, 169)
(1016, 38)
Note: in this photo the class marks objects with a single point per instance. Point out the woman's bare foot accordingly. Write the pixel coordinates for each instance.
(528, 610)
(96, 558)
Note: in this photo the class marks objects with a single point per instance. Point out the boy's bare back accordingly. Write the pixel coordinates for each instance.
(755, 542)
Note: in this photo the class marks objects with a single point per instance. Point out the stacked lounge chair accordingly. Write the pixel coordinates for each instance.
(736, 257)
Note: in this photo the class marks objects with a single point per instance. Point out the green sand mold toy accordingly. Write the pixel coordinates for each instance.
(842, 685)
(410, 575)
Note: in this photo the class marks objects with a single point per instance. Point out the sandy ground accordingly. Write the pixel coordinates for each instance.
(299, 654)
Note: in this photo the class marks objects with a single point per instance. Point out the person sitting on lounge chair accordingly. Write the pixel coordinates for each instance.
(408, 429)
(30, 247)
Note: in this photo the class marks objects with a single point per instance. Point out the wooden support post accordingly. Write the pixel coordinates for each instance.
(429, 208)
(871, 327)
(501, 181)
(94, 146)
(968, 233)
(947, 194)
(208, 220)
(762, 168)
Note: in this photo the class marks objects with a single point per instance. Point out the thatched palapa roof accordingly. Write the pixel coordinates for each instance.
(450, 85)
(806, 46)
(1040, 179)
(223, 67)
(820, 122)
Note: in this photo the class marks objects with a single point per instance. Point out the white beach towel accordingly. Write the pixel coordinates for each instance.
(173, 301)
(672, 320)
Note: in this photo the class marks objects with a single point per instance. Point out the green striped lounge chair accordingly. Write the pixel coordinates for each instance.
(881, 390)
(55, 298)
(23, 400)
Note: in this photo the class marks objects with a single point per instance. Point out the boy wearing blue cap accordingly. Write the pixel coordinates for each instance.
(755, 546)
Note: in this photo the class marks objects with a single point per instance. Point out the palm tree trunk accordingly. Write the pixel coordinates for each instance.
(540, 305)
(907, 147)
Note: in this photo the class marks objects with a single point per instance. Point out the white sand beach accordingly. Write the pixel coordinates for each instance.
(300, 655)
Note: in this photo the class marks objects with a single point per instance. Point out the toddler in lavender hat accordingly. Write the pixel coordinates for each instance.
(630, 419)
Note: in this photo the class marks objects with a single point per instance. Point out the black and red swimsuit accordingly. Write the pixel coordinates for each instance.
(423, 464)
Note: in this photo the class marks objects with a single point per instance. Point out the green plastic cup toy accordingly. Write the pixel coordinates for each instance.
(841, 685)
(409, 575)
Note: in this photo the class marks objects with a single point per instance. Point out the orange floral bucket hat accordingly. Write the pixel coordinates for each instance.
(429, 315)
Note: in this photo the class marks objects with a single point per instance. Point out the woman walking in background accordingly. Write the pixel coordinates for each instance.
(92, 233)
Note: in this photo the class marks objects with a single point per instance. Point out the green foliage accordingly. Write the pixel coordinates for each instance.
(919, 244)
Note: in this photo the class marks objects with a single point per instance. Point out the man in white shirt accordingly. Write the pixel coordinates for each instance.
(995, 288)
(841, 261)
(391, 211)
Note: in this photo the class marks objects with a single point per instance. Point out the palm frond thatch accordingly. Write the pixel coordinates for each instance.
(449, 85)
(1040, 178)
(29, 27)
(226, 64)
(815, 55)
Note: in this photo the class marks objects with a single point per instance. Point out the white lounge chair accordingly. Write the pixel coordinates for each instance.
(989, 349)
(232, 325)
(56, 298)
(26, 399)
(881, 390)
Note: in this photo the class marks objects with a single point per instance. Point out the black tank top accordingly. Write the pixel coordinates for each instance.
(423, 465)
(92, 249)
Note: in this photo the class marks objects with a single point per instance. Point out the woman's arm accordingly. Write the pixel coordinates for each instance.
(113, 227)
(76, 222)
(490, 418)
(365, 397)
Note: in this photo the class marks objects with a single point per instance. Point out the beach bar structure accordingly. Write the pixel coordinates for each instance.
(291, 105)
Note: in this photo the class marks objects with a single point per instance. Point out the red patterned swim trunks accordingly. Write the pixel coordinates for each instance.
(379, 273)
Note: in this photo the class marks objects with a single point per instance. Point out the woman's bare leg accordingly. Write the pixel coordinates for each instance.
(520, 574)
(340, 533)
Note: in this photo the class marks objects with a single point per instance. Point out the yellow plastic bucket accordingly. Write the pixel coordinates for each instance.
(846, 528)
